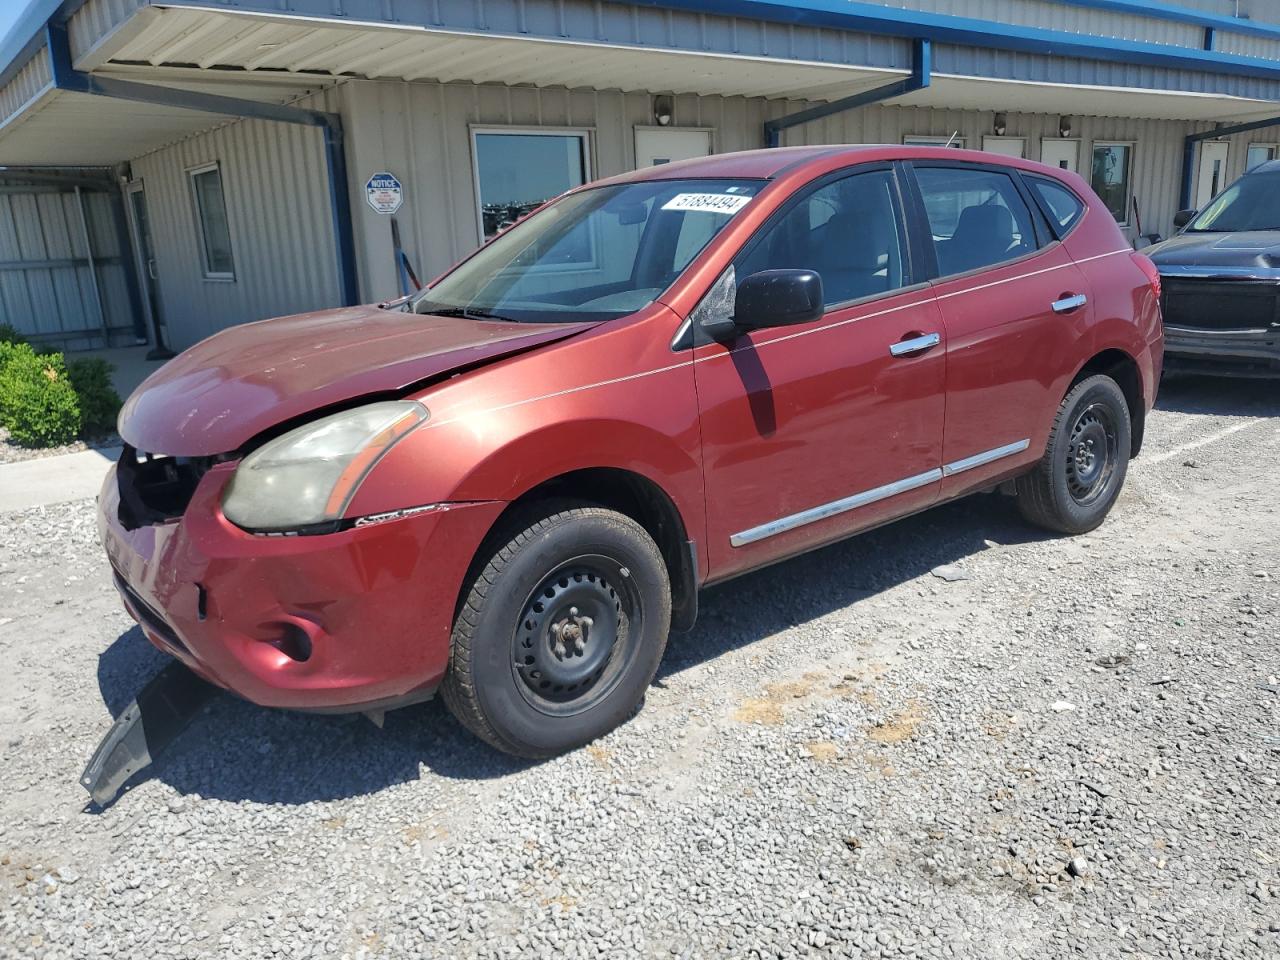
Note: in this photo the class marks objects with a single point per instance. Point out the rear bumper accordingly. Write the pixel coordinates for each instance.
(335, 622)
(1231, 352)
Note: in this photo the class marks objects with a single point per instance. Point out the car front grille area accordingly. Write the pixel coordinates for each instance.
(1221, 304)
(147, 615)
(156, 489)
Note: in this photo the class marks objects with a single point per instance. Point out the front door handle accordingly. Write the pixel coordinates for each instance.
(906, 347)
(1073, 302)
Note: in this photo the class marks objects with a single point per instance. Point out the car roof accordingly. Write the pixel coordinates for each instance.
(1270, 166)
(769, 163)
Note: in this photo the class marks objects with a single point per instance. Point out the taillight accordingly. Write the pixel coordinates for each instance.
(1150, 269)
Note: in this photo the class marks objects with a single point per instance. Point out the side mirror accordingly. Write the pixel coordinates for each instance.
(777, 298)
(1183, 217)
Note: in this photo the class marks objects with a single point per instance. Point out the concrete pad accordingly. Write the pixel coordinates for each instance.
(72, 476)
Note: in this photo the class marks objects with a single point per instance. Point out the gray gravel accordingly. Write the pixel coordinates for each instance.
(1070, 750)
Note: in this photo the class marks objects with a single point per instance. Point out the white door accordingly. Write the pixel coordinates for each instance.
(1213, 171)
(1008, 146)
(657, 145)
(1063, 154)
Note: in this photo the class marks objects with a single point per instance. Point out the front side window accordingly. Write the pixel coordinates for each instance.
(1109, 177)
(212, 223)
(977, 217)
(847, 231)
(518, 171)
(1251, 203)
(598, 254)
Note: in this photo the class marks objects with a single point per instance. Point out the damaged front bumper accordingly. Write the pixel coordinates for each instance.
(354, 620)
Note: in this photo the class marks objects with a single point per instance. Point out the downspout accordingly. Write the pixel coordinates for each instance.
(921, 77)
(66, 77)
(1189, 152)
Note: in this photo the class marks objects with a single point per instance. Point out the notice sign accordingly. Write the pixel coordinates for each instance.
(726, 203)
(384, 193)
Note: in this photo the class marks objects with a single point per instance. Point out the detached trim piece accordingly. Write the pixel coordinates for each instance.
(67, 78)
(835, 507)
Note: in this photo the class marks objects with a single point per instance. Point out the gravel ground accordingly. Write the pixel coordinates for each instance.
(1070, 750)
(11, 452)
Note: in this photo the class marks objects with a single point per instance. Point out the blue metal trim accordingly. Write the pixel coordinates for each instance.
(26, 36)
(967, 31)
(66, 77)
(1189, 151)
(1176, 13)
(921, 77)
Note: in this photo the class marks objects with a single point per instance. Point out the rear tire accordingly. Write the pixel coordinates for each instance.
(1077, 481)
(561, 631)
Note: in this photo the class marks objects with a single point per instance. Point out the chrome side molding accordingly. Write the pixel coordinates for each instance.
(981, 459)
(814, 514)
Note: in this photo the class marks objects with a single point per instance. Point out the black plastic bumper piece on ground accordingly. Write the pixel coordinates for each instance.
(144, 729)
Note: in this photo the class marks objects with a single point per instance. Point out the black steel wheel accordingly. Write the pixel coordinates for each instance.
(1085, 462)
(561, 631)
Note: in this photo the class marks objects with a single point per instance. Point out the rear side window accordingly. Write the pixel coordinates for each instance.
(1061, 205)
(977, 217)
(847, 231)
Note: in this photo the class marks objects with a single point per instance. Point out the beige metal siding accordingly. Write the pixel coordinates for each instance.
(96, 20)
(31, 81)
(276, 188)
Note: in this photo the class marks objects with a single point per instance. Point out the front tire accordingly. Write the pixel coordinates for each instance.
(1077, 481)
(561, 631)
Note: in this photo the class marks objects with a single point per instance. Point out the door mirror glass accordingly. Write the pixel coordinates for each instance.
(777, 298)
(1183, 217)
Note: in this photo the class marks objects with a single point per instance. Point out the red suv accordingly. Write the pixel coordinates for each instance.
(511, 486)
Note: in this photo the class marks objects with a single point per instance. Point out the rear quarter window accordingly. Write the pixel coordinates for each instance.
(1061, 206)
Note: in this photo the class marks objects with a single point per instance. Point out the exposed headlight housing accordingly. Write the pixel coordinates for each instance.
(308, 476)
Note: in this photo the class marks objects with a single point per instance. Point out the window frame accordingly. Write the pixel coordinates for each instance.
(1272, 148)
(586, 136)
(210, 275)
(1051, 221)
(1132, 146)
(1044, 236)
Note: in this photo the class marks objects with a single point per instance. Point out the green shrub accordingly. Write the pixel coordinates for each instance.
(98, 400)
(9, 334)
(37, 402)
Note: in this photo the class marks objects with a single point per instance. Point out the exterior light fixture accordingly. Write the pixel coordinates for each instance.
(663, 108)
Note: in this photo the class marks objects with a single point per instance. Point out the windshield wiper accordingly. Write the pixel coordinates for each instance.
(467, 313)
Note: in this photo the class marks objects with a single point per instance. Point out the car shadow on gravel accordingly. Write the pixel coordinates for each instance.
(1219, 396)
(236, 751)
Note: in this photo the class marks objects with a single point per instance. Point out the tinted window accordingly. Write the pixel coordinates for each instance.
(1110, 177)
(977, 217)
(1063, 206)
(215, 230)
(848, 231)
(1251, 203)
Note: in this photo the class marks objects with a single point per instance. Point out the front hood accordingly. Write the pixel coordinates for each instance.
(1254, 250)
(222, 392)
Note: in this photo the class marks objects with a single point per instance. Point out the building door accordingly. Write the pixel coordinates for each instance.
(658, 145)
(145, 256)
(1006, 146)
(1063, 154)
(1212, 176)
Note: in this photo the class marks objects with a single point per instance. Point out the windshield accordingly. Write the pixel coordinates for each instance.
(594, 255)
(1251, 203)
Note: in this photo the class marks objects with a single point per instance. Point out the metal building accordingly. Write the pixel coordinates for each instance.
(247, 139)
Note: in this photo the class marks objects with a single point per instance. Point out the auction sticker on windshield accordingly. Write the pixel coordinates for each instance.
(726, 203)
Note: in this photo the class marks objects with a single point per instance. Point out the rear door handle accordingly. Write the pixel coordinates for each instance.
(905, 347)
(1067, 304)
